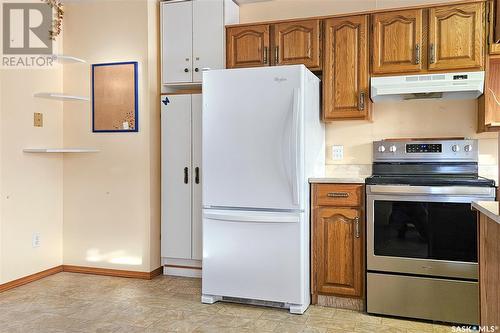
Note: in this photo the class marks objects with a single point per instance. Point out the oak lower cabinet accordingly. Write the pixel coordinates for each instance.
(489, 270)
(181, 220)
(288, 43)
(345, 70)
(337, 245)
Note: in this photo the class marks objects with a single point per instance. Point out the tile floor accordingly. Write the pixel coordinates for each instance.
(75, 303)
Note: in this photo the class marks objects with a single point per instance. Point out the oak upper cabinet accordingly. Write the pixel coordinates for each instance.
(337, 240)
(247, 46)
(192, 38)
(456, 37)
(288, 43)
(398, 41)
(345, 69)
(488, 104)
(298, 43)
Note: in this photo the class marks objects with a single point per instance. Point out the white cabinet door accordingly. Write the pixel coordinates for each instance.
(208, 36)
(177, 42)
(176, 177)
(196, 117)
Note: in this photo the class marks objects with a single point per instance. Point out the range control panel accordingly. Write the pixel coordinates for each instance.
(425, 150)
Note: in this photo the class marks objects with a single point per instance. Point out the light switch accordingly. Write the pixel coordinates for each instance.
(38, 119)
(337, 152)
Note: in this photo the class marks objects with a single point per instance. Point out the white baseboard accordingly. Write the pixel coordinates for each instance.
(185, 272)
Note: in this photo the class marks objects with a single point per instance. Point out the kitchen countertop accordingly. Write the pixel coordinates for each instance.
(488, 208)
(338, 180)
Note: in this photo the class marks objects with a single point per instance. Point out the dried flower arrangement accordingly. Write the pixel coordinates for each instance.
(58, 17)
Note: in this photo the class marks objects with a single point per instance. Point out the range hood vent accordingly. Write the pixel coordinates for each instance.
(468, 85)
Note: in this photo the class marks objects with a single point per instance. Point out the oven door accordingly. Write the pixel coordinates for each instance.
(423, 230)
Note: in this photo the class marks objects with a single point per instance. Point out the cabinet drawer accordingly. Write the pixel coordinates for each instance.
(346, 195)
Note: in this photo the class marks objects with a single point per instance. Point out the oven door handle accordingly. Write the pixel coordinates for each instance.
(432, 190)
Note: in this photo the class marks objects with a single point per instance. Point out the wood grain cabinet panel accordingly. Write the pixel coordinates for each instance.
(346, 78)
(456, 37)
(298, 43)
(398, 41)
(489, 271)
(343, 195)
(339, 252)
(247, 46)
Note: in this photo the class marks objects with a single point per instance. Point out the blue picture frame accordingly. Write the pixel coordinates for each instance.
(136, 98)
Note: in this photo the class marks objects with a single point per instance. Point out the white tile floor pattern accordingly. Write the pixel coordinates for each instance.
(68, 302)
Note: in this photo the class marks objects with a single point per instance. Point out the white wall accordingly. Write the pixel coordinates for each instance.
(111, 198)
(31, 185)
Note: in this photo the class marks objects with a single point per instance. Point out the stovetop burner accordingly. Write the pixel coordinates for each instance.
(427, 163)
(439, 180)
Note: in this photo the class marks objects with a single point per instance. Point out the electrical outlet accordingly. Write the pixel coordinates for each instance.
(38, 119)
(337, 152)
(35, 240)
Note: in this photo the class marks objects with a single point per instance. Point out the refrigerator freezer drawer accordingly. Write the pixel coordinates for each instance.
(423, 298)
(258, 259)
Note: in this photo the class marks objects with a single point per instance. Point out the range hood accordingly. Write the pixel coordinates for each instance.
(468, 85)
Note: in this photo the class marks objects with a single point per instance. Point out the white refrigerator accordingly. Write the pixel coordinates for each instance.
(262, 140)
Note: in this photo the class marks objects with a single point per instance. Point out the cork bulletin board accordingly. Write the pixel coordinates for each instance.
(114, 97)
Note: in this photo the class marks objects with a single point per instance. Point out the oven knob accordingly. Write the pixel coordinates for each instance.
(468, 148)
(392, 149)
(381, 149)
(455, 148)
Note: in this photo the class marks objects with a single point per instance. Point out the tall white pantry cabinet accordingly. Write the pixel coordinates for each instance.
(192, 40)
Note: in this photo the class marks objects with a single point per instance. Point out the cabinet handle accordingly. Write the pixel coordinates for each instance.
(197, 175)
(337, 195)
(196, 69)
(277, 54)
(361, 104)
(356, 227)
(265, 54)
(186, 70)
(186, 180)
(432, 54)
(417, 54)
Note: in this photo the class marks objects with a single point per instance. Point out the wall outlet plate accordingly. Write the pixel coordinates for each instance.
(35, 240)
(38, 119)
(337, 152)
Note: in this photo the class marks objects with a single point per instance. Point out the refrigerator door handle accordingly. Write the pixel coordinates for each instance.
(256, 217)
(295, 146)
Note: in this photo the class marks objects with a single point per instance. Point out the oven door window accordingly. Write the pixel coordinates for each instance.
(426, 230)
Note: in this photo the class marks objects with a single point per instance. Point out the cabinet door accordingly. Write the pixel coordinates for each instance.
(346, 80)
(196, 117)
(398, 42)
(456, 37)
(338, 251)
(208, 36)
(247, 46)
(298, 43)
(176, 175)
(177, 42)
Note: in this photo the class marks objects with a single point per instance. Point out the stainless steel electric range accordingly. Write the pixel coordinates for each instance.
(421, 231)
